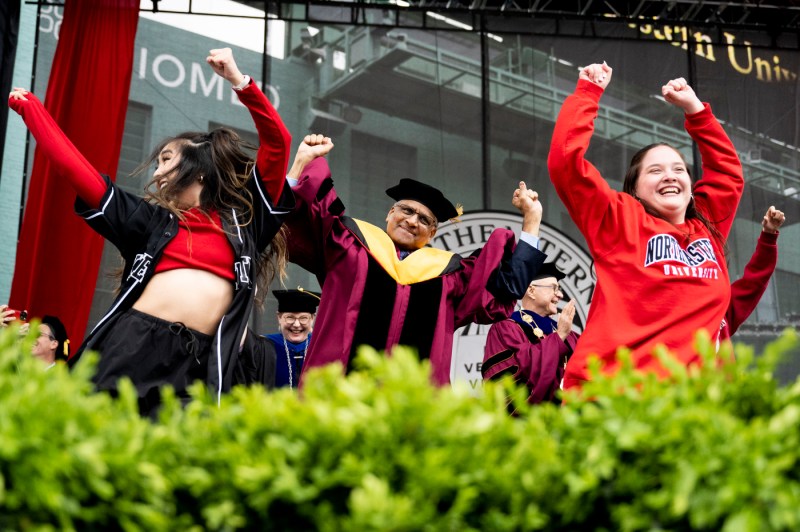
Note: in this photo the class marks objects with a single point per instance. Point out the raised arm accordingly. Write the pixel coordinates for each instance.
(274, 140)
(51, 140)
(527, 203)
(318, 206)
(681, 95)
(747, 291)
(718, 192)
(313, 146)
(514, 274)
(578, 183)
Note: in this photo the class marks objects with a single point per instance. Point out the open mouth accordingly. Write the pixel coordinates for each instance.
(162, 183)
(669, 191)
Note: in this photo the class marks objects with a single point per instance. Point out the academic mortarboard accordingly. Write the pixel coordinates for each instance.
(297, 300)
(60, 333)
(432, 198)
(549, 269)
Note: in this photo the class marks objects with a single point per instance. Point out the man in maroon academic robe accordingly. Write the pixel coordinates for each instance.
(385, 287)
(531, 346)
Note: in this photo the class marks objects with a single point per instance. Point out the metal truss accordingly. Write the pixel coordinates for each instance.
(776, 16)
(784, 15)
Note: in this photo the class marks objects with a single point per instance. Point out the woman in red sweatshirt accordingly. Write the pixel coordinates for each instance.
(194, 248)
(658, 246)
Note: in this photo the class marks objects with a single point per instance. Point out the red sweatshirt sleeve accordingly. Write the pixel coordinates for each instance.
(718, 192)
(747, 291)
(67, 160)
(274, 140)
(578, 183)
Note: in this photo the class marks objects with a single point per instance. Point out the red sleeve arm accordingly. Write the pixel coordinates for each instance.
(274, 140)
(51, 140)
(747, 291)
(584, 192)
(718, 192)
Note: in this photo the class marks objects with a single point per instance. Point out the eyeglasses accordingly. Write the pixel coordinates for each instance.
(304, 320)
(408, 212)
(556, 288)
(45, 335)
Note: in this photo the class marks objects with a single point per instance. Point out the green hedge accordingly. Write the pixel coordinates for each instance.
(713, 448)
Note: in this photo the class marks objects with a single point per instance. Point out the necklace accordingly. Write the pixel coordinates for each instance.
(530, 320)
(289, 358)
(527, 318)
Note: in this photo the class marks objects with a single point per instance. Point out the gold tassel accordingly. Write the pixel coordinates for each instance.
(307, 292)
(460, 211)
(66, 347)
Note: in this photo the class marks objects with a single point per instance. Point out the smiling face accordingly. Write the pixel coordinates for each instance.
(410, 225)
(542, 296)
(663, 183)
(295, 326)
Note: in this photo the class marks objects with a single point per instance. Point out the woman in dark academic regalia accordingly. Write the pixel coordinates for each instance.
(296, 312)
(532, 346)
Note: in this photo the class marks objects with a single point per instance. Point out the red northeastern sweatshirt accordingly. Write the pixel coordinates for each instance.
(657, 283)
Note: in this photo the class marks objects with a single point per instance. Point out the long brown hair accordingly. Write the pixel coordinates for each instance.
(220, 157)
(632, 177)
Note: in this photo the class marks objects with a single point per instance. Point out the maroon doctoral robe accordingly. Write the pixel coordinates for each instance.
(512, 348)
(420, 304)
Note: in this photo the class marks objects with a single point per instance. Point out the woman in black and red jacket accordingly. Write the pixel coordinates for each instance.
(195, 247)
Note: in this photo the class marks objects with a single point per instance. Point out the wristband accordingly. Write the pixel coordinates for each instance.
(245, 82)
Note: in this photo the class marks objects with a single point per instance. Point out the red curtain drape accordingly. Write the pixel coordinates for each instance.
(58, 256)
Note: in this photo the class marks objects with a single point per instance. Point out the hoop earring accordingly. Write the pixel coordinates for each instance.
(200, 179)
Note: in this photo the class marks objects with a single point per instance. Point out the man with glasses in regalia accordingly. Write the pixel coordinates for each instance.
(387, 287)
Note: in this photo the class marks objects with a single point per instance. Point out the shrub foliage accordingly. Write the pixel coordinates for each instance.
(715, 447)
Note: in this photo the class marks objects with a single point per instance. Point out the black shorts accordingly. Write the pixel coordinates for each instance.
(151, 352)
